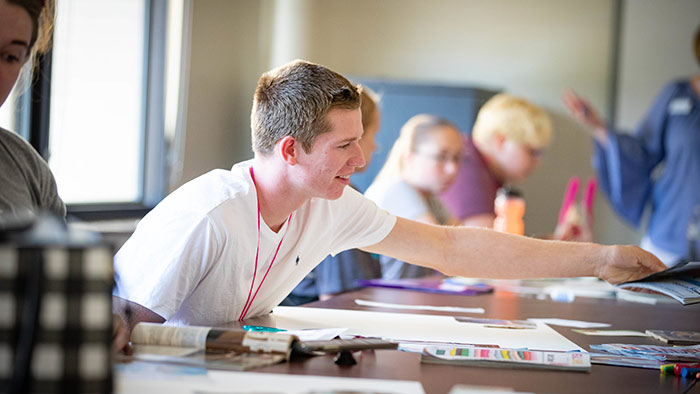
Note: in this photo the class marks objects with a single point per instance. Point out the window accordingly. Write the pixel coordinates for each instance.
(105, 122)
(98, 93)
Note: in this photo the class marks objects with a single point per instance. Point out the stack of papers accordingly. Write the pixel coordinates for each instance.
(643, 356)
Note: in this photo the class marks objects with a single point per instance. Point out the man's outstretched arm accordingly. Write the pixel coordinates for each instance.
(484, 253)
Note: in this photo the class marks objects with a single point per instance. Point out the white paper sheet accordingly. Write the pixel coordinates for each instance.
(317, 335)
(419, 307)
(414, 327)
(252, 382)
(611, 333)
(569, 323)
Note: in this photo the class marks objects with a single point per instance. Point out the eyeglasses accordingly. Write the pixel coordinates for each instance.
(442, 158)
(534, 152)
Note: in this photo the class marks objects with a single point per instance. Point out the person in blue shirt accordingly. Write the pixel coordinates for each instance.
(339, 273)
(657, 165)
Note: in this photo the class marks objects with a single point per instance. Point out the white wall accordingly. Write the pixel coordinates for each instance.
(224, 68)
(535, 49)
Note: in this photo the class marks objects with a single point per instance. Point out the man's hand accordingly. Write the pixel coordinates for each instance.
(126, 315)
(627, 263)
(121, 334)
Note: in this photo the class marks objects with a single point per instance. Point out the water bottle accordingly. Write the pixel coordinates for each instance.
(510, 208)
(693, 235)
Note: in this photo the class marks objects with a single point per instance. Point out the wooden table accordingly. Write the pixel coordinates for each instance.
(437, 379)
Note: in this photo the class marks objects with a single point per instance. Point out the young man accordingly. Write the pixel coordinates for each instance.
(508, 138)
(232, 244)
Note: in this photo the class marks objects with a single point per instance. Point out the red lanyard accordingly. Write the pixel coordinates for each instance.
(249, 301)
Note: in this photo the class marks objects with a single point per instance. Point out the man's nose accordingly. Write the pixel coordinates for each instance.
(357, 159)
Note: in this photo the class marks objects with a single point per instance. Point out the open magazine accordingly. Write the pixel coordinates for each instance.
(235, 349)
(214, 348)
(681, 282)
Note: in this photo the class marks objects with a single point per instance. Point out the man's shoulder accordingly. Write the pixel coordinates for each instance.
(208, 193)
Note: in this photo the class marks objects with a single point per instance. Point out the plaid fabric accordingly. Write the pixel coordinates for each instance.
(56, 319)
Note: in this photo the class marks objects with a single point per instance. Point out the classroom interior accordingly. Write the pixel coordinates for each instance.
(618, 53)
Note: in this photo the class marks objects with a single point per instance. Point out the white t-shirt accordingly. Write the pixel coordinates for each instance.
(402, 199)
(191, 259)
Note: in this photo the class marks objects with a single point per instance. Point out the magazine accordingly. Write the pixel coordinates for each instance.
(215, 348)
(234, 349)
(681, 282)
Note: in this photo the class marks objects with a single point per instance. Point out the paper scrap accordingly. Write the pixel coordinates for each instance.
(322, 334)
(569, 323)
(610, 333)
(419, 307)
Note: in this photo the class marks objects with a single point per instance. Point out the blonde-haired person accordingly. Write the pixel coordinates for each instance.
(27, 182)
(509, 136)
(422, 163)
(339, 273)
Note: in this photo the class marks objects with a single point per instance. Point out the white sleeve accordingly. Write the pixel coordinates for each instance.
(358, 222)
(399, 198)
(159, 267)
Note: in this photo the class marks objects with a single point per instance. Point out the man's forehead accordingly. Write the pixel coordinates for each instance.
(345, 124)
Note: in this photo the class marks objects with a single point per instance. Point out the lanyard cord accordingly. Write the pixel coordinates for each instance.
(249, 301)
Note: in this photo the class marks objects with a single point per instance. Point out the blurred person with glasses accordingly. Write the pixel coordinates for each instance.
(422, 163)
(509, 137)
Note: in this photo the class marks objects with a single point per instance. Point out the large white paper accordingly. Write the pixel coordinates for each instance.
(274, 383)
(413, 327)
(187, 381)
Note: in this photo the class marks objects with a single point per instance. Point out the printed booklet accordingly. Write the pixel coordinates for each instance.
(681, 282)
(507, 358)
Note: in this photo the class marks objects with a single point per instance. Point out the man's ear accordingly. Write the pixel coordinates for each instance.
(289, 149)
(498, 140)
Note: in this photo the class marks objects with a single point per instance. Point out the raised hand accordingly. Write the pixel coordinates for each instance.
(584, 112)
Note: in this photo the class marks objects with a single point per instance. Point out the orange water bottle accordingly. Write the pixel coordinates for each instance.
(510, 208)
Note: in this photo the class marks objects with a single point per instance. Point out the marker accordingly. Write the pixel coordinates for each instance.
(262, 328)
(678, 367)
(667, 369)
(689, 371)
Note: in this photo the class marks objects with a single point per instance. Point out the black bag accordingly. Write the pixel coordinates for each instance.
(55, 307)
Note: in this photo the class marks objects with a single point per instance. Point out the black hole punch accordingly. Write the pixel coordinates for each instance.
(345, 358)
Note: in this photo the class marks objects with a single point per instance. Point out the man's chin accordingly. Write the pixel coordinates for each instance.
(335, 194)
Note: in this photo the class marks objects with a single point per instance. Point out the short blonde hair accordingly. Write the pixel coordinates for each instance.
(515, 118)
